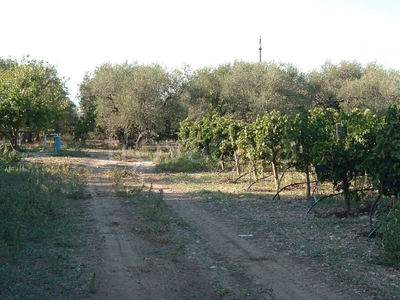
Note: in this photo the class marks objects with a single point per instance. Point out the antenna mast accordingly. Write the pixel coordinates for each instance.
(260, 48)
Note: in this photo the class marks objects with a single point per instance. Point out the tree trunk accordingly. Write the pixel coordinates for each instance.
(221, 161)
(138, 143)
(237, 162)
(276, 176)
(308, 185)
(346, 193)
(30, 137)
(14, 138)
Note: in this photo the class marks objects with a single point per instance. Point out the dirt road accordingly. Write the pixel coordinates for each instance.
(219, 262)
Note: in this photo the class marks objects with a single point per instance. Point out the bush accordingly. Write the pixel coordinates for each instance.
(8, 155)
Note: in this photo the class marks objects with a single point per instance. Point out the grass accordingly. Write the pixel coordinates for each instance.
(38, 234)
(155, 219)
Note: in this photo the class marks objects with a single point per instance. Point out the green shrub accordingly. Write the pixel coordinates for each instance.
(8, 155)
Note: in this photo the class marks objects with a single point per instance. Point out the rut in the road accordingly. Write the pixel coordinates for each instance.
(276, 273)
(125, 269)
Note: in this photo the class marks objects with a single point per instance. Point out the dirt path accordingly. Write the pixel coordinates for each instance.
(219, 262)
(124, 265)
(284, 278)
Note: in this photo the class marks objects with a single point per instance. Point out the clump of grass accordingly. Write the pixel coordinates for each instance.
(157, 221)
(117, 156)
(154, 218)
(119, 176)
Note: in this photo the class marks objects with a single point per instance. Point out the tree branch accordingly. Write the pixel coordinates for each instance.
(290, 185)
(319, 200)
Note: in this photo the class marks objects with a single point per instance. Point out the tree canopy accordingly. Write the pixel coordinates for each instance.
(32, 96)
(129, 99)
(244, 90)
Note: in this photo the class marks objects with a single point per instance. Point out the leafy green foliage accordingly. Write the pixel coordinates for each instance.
(129, 99)
(8, 155)
(376, 89)
(243, 90)
(325, 85)
(215, 135)
(31, 97)
(348, 85)
(384, 166)
(270, 131)
(341, 156)
(306, 134)
(384, 159)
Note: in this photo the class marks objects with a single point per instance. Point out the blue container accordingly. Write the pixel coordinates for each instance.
(57, 143)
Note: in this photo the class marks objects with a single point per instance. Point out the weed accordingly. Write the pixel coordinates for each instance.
(92, 284)
(180, 248)
(117, 156)
(156, 220)
(119, 177)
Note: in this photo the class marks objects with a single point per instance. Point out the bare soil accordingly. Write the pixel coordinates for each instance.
(221, 259)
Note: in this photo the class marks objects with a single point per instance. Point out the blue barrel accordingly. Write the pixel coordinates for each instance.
(57, 143)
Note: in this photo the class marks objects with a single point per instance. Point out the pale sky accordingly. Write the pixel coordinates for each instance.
(76, 36)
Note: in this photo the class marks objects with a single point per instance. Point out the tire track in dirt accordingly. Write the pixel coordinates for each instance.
(274, 273)
(125, 267)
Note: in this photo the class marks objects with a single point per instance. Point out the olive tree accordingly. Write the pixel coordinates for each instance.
(324, 86)
(244, 90)
(133, 99)
(377, 89)
(203, 93)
